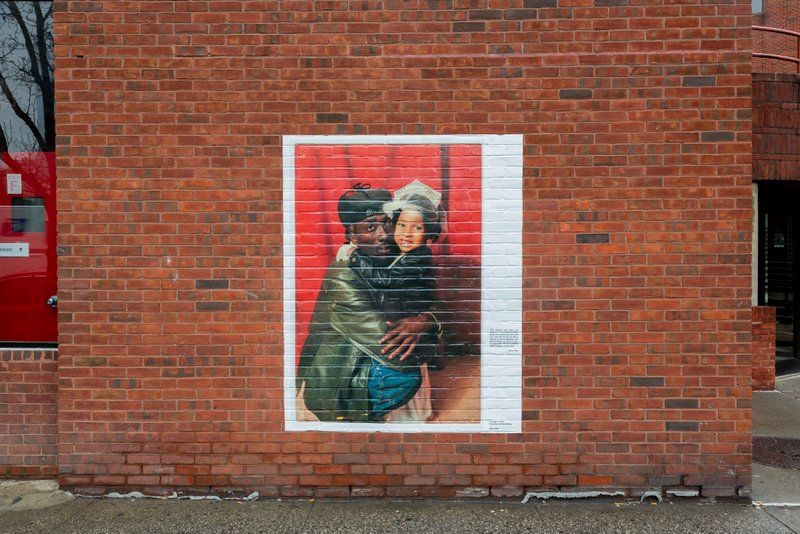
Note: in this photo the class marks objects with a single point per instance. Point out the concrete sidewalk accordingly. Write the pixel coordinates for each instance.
(353, 516)
(38, 507)
(777, 414)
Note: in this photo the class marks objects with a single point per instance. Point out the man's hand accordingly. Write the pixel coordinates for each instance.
(404, 335)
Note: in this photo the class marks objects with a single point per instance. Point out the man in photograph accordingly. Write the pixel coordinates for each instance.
(354, 365)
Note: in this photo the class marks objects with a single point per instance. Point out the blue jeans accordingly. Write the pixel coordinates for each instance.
(390, 389)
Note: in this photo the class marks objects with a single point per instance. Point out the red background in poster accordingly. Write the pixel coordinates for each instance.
(324, 172)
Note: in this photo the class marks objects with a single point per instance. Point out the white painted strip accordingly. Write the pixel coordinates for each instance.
(759, 504)
(544, 495)
(683, 493)
(174, 495)
(289, 312)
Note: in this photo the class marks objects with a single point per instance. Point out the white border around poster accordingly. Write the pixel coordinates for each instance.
(501, 276)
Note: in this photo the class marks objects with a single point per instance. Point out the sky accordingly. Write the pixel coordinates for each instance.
(19, 136)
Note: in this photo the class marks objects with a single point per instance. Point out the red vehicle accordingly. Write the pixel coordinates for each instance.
(28, 282)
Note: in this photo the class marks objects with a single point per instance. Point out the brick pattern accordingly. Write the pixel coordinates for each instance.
(28, 417)
(776, 126)
(782, 14)
(636, 123)
(763, 348)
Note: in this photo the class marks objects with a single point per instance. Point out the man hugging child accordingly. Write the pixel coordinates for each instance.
(406, 286)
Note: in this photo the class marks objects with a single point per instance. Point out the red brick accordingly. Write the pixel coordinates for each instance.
(763, 348)
(169, 361)
(28, 418)
(776, 105)
(777, 14)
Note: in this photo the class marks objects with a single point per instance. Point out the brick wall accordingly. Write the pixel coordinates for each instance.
(782, 14)
(763, 348)
(636, 123)
(776, 126)
(28, 418)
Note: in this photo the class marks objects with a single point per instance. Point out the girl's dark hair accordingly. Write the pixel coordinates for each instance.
(430, 215)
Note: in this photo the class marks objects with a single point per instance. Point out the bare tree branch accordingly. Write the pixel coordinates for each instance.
(14, 10)
(24, 117)
(27, 67)
(40, 37)
(5, 157)
(3, 141)
(47, 86)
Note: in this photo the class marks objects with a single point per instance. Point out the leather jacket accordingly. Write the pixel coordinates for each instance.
(402, 289)
(344, 336)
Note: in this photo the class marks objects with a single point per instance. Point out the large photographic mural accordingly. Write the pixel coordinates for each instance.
(402, 283)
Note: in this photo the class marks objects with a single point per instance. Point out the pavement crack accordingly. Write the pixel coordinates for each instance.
(792, 397)
(308, 516)
(779, 521)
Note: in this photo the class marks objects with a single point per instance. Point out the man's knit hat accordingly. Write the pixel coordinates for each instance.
(360, 202)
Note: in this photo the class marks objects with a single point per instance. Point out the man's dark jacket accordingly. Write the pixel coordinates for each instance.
(344, 337)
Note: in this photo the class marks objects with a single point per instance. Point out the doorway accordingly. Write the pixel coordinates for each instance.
(779, 267)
